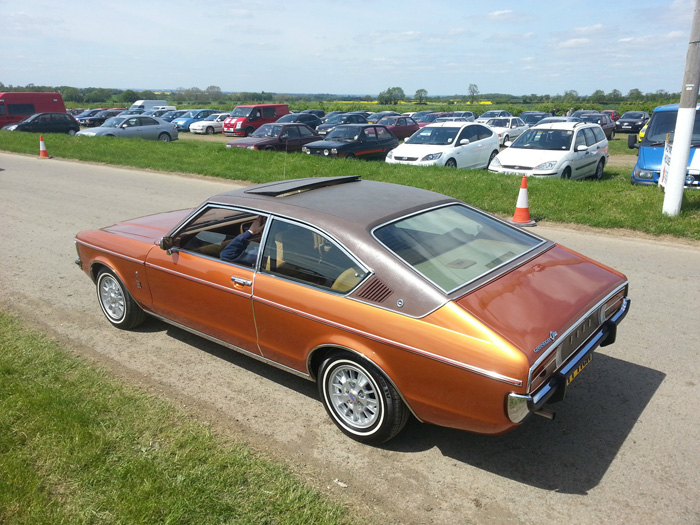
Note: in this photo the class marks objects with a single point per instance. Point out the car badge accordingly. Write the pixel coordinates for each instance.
(550, 339)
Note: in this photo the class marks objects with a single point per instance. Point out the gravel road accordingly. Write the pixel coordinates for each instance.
(625, 447)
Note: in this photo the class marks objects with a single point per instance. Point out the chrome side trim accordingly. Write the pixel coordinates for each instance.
(197, 280)
(480, 371)
(238, 349)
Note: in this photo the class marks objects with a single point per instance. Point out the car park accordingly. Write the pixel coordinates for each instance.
(398, 302)
(286, 136)
(337, 120)
(46, 123)
(567, 150)
(245, 119)
(354, 141)
(402, 127)
(188, 118)
(604, 121)
(134, 126)
(310, 119)
(647, 170)
(493, 113)
(214, 123)
(451, 144)
(631, 121)
(507, 128)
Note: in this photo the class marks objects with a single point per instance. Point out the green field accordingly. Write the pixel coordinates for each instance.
(611, 203)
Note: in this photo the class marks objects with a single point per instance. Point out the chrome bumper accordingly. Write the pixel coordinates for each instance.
(518, 406)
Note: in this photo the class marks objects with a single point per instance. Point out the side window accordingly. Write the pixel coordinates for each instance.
(382, 133)
(599, 134)
(484, 132)
(471, 133)
(580, 139)
(371, 133)
(298, 253)
(269, 112)
(132, 122)
(401, 122)
(293, 132)
(214, 229)
(148, 121)
(590, 137)
(305, 132)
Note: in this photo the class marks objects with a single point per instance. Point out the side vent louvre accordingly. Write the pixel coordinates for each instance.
(375, 291)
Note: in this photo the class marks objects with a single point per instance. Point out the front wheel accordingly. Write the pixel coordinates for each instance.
(566, 174)
(209, 130)
(164, 137)
(360, 400)
(249, 131)
(116, 302)
(451, 163)
(351, 156)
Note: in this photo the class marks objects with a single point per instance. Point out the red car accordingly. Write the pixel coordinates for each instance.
(402, 127)
(612, 113)
(398, 302)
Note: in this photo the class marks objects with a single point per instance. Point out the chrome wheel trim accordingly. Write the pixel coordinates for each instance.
(354, 397)
(112, 298)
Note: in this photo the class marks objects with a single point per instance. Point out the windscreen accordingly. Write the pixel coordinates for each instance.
(664, 122)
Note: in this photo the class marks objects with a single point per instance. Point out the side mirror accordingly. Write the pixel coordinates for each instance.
(632, 141)
(581, 147)
(508, 143)
(463, 142)
(166, 243)
(284, 136)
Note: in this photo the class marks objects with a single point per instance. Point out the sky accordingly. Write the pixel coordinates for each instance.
(356, 48)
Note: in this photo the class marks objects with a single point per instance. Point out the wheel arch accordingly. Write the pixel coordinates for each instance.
(320, 353)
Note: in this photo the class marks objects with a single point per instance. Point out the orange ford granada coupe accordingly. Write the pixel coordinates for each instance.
(395, 300)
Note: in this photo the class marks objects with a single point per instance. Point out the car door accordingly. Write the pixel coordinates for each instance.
(148, 128)
(469, 154)
(517, 128)
(584, 161)
(299, 293)
(191, 285)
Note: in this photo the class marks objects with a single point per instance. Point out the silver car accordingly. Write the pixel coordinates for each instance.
(150, 128)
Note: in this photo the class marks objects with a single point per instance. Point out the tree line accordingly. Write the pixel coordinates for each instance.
(390, 96)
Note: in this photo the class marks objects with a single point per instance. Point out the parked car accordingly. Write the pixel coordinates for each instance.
(402, 127)
(612, 113)
(337, 120)
(331, 114)
(318, 112)
(393, 299)
(631, 121)
(468, 116)
(647, 170)
(451, 144)
(550, 120)
(214, 123)
(418, 114)
(493, 113)
(156, 112)
(287, 136)
(533, 117)
(604, 121)
(128, 112)
(507, 128)
(171, 115)
(582, 112)
(567, 150)
(46, 123)
(352, 141)
(245, 119)
(376, 117)
(134, 126)
(310, 119)
(88, 113)
(98, 118)
(184, 121)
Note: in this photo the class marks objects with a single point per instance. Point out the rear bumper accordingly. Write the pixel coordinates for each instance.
(518, 406)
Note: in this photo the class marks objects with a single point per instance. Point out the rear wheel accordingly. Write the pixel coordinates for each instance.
(360, 400)
(116, 302)
(493, 156)
(451, 163)
(599, 170)
(164, 137)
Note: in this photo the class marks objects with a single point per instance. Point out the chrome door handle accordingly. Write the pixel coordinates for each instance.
(242, 282)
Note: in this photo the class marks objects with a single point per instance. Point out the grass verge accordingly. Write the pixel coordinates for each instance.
(77, 447)
(610, 203)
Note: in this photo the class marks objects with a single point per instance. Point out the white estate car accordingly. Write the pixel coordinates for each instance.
(569, 150)
(493, 113)
(212, 124)
(452, 144)
(508, 128)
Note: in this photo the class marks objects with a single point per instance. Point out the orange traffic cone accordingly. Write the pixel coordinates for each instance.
(43, 154)
(522, 207)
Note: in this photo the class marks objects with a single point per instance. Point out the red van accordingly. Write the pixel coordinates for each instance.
(246, 119)
(16, 106)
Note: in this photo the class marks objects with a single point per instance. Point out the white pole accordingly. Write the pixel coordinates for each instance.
(684, 124)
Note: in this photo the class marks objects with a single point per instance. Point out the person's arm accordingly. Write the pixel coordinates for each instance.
(236, 246)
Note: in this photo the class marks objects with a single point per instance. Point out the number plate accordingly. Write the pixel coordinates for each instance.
(576, 371)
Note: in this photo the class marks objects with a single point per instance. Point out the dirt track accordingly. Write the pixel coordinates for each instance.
(623, 449)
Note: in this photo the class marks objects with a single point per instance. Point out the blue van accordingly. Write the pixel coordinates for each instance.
(651, 147)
